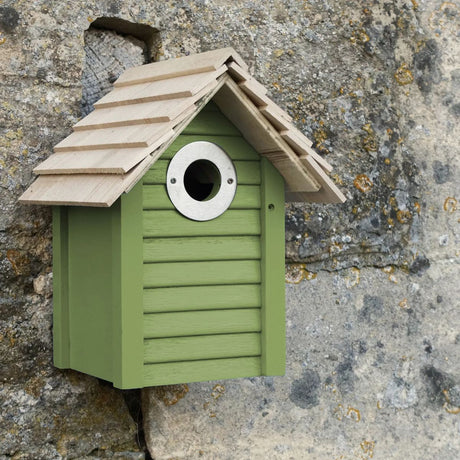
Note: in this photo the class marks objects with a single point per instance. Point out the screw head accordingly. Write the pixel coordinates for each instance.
(173, 180)
(230, 181)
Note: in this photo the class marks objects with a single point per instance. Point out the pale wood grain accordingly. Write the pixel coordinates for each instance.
(82, 189)
(239, 109)
(186, 65)
(145, 112)
(261, 99)
(301, 146)
(173, 88)
(329, 192)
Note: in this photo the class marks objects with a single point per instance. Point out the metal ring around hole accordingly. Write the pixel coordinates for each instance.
(184, 203)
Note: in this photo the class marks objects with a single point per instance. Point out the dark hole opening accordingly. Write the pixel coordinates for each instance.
(202, 180)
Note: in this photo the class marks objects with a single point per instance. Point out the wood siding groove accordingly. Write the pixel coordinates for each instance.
(201, 248)
(194, 323)
(194, 371)
(247, 172)
(171, 223)
(194, 298)
(178, 349)
(201, 273)
(156, 197)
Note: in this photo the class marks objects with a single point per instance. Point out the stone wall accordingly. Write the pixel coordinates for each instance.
(373, 325)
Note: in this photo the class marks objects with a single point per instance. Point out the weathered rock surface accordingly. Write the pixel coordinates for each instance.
(373, 323)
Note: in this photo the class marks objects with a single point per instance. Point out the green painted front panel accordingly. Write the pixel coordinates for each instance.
(201, 347)
(196, 371)
(90, 290)
(194, 298)
(202, 279)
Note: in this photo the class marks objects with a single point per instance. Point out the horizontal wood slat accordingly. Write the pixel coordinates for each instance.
(171, 223)
(235, 146)
(174, 88)
(247, 173)
(201, 248)
(201, 347)
(99, 190)
(119, 137)
(246, 197)
(302, 148)
(202, 298)
(143, 112)
(201, 273)
(183, 324)
(195, 371)
(110, 161)
(185, 65)
(261, 99)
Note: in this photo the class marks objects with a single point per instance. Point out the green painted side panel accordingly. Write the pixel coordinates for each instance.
(172, 224)
(90, 290)
(181, 324)
(246, 197)
(247, 172)
(128, 346)
(196, 371)
(201, 273)
(201, 347)
(201, 248)
(273, 297)
(202, 298)
(235, 147)
(61, 342)
(211, 123)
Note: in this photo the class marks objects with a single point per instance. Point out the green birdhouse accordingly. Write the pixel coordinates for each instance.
(168, 225)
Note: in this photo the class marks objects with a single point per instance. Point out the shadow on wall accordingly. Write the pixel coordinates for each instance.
(111, 46)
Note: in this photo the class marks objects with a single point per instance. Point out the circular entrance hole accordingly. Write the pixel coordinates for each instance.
(202, 180)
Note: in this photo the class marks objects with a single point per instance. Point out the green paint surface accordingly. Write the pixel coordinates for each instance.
(169, 223)
(196, 371)
(246, 197)
(247, 172)
(202, 298)
(201, 347)
(201, 273)
(201, 248)
(180, 324)
(90, 290)
(272, 243)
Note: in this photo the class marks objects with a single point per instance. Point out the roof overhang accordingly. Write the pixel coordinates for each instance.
(115, 145)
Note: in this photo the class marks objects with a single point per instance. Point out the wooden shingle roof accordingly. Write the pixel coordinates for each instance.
(114, 146)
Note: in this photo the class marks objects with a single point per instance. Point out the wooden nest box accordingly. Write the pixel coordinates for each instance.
(168, 225)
